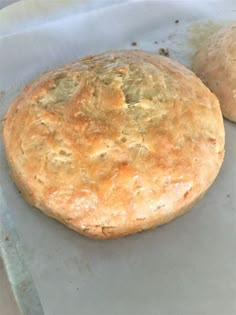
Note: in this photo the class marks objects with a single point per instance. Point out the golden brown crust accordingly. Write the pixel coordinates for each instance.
(115, 143)
(215, 64)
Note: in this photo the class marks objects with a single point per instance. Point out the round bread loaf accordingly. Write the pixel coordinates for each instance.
(115, 143)
(215, 64)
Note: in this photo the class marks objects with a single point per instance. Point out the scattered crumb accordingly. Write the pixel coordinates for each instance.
(2, 93)
(155, 42)
(228, 195)
(19, 191)
(164, 52)
(176, 21)
(6, 238)
(134, 44)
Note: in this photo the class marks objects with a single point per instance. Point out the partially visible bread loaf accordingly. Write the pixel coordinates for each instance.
(114, 143)
(215, 64)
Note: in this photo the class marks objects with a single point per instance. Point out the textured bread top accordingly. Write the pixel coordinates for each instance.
(215, 64)
(115, 143)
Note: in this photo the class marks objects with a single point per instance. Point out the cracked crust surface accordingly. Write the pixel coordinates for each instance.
(215, 64)
(114, 143)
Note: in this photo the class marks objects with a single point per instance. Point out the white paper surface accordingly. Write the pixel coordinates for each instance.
(186, 267)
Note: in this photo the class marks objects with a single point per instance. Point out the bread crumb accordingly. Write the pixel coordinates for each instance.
(134, 44)
(2, 94)
(164, 52)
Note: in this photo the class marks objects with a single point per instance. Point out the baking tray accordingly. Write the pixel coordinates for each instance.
(186, 267)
